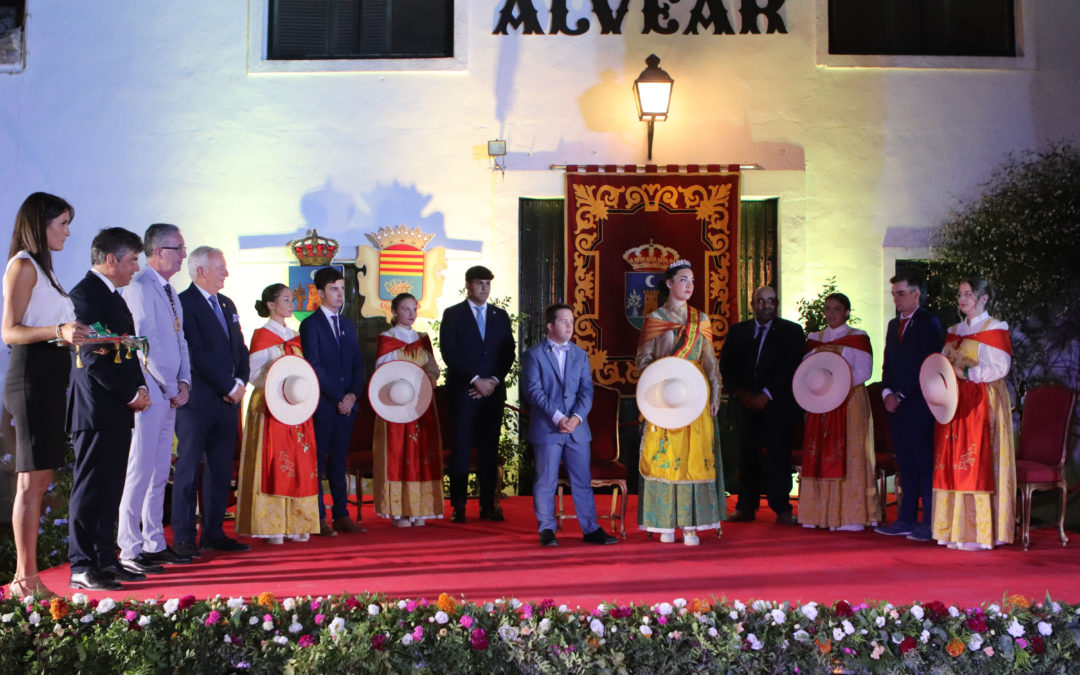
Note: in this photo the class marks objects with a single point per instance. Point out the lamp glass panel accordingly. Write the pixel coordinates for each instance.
(654, 98)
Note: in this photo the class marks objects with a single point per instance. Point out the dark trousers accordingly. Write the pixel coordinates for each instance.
(913, 440)
(98, 485)
(332, 435)
(205, 437)
(475, 423)
(761, 430)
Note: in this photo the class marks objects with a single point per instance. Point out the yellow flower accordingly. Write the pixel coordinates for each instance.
(446, 604)
(1015, 602)
(955, 647)
(266, 599)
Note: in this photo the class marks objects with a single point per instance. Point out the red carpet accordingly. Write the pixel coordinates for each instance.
(483, 561)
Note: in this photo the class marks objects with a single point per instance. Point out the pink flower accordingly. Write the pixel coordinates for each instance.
(305, 641)
(410, 606)
(268, 617)
(418, 633)
(466, 621)
(213, 617)
(319, 618)
(131, 615)
(1021, 643)
(661, 619)
(479, 639)
(315, 604)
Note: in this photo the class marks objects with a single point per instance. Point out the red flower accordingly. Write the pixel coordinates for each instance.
(907, 645)
(936, 609)
(843, 609)
(1037, 644)
(351, 602)
(305, 641)
(378, 642)
(977, 623)
(479, 639)
(186, 601)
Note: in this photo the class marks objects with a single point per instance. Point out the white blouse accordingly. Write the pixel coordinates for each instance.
(861, 362)
(408, 336)
(993, 363)
(47, 306)
(261, 360)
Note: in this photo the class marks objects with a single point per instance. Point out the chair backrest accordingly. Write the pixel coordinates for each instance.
(604, 423)
(880, 417)
(1044, 429)
(363, 427)
(442, 409)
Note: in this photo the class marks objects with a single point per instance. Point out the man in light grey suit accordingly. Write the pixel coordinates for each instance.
(158, 317)
(558, 385)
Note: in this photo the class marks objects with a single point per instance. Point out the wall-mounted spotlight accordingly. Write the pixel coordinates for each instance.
(652, 91)
(497, 153)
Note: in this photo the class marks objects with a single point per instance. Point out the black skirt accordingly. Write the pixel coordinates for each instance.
(35, 393)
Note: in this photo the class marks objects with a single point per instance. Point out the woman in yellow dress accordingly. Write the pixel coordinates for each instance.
(837, 485)
(685, 492)
(408, 456)
(277, 491)
(974, 456)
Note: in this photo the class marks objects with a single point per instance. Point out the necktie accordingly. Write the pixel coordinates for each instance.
(337, 329)
(219, 314)
(172, 301)
(757, 343)
(480, 321)
(903, 325)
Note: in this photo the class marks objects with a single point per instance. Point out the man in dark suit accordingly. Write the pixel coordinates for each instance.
(207, 426)
(557, 382)
(759, 359)
(477, 344)
(102, 402)
(333, 350)
(910, 338)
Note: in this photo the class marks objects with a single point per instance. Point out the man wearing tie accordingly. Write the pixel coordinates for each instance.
(208, 426)
(332, 348)
(477, 344)
(910, 338)
(759, 359)
(557, 382)
(105, 394)
(159, 318)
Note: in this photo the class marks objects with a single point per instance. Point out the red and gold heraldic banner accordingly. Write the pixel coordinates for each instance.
(623, 229)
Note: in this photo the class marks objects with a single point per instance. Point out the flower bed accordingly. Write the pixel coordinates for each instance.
(366, 633)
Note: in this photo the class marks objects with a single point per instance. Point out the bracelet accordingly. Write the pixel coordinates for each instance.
(59, 333)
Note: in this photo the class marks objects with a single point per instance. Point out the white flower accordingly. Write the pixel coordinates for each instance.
(645, 630)
(838, 634)
(441, 617)
(515, 603)
(713, 632)
(848, 628)
(228, 640)
(679, 602)
(953, 612)
(924, 637)
(755, 643)
(545, 625)
(809, 610)
(879, 621)
(760, 605)
(645, 620)
(86, 618)
(7, 617)
(281, 639)
(993, 609)
(401, 604)
(295, 627)
(288, 604)
(337, 625)
(863, 631)
(733, 615)
(268, 625)
(233, 603)
(105, 606)
(489, 607)
(1045, 628)
(597, 627)
(917, 612)
(406, 639)
(739, 606)
(801, 636)
(1015, 629)
(34, 618)
(975, 643)
(171, 605)
(564, 609)
(777, 616)
(79, 599)
(253, 620)
(1055, 607)
(508, 633)
(144, 620)
(664, 609)
(373, 610)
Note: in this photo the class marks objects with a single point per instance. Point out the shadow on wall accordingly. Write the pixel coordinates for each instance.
(337, 214)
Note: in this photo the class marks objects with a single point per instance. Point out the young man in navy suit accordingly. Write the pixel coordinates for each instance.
(557, 382)
(208, 425)
(102, 402)
(332, 348)
(910, 338)
(477, 345)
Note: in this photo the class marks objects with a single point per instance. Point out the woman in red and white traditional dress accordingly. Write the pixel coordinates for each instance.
(278, 487)
(974, 456)
(837, 486)
(408, 457)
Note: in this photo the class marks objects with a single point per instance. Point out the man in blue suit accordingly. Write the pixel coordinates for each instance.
(911, 337)
(477, 344)
(333, 350)
(557, 382)
(207, 426)
(102, 402)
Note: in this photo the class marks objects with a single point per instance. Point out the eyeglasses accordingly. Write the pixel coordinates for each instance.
(178, 249)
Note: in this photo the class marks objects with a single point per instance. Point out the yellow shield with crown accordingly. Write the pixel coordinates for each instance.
(400, 263)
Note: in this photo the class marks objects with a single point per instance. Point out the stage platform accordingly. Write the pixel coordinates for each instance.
(483, 561)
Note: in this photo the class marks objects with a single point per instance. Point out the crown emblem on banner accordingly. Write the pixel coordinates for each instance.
(392, 236)
(314, 250)
(650, 257)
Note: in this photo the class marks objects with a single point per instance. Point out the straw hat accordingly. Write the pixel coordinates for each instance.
(292, 390)
(671, 392)
(937, 379)
(400, 391)
(822, 382)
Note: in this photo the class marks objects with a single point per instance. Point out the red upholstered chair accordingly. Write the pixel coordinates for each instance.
(604, 466)
(360, 462)
(1040, 455)
(445, 420)
(884, 454)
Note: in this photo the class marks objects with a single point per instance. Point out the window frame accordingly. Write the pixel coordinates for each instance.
(20, 65)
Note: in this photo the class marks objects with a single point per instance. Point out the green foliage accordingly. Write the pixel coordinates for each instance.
(52, 549)
(812, 312)
(1023, 233)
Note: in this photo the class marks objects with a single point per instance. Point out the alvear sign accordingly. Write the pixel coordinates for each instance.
(705, 15)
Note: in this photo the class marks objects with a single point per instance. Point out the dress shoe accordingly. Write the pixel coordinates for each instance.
(738, 516)
(347, 525)
(493, 514)
(166, 556)
(225, 544)
(92, 581)
(786, 519)
(118, 573)
(547, 538)
(921, 533)
(459, 514)
(326, 531)
(186, 549)
(140, 565)
(899, 528)
(598, 536)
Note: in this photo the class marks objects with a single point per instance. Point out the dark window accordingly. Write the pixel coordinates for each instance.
(923, 27)
(361, 29)
(12, 15)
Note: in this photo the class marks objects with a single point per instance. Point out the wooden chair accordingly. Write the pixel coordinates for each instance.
(884, 454)
(1040, 455)
(360, 462)
(604, 467)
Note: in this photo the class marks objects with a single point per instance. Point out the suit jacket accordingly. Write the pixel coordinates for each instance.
(467, 355)
(781, 354)
(339, 367)
(903, 358)
(217, 360)
(168, 362)
(547, 392)
(102, 388)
